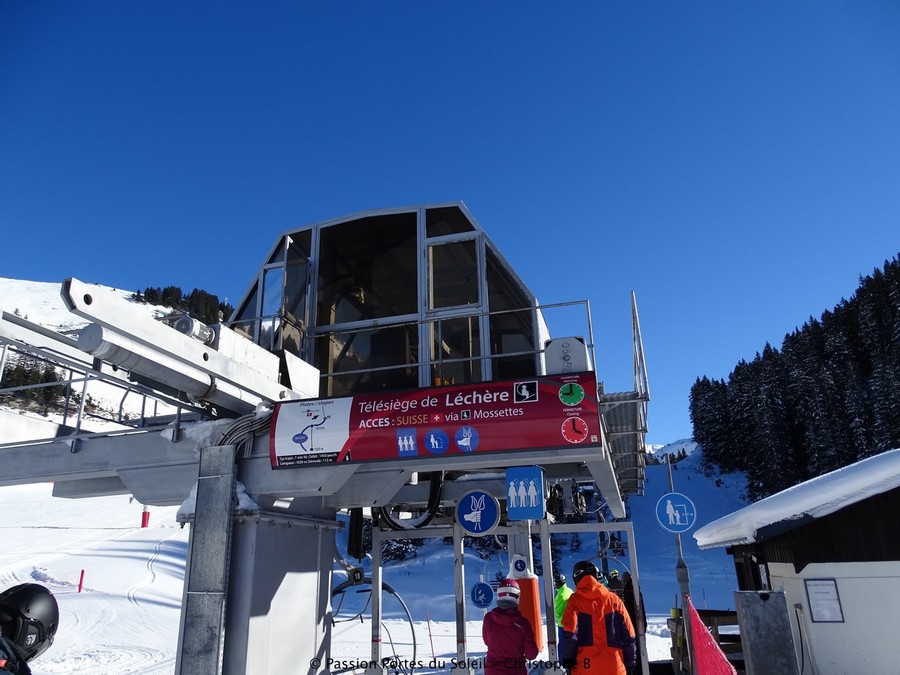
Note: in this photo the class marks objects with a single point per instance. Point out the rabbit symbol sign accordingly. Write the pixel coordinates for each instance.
(478, 512)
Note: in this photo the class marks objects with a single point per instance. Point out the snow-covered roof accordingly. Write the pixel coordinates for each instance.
(804, 502)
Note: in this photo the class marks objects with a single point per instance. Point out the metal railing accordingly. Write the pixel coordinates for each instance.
(88, 396)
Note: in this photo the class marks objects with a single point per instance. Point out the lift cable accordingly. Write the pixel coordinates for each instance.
(341, 588)
(431, 508)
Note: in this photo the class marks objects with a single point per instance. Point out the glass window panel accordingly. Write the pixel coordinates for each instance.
(278, 255)
(446, 220)
(453, 274)
(368, 360)
(245, 318)
(268, 333)
(511, 332)
(368, 269)
(273, 288)
(296, 289)
(503, 291)
(455, 348)
(301, 241)
(295, 292)
(246, 329)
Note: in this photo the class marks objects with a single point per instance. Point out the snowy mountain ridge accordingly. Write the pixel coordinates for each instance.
(40, 302)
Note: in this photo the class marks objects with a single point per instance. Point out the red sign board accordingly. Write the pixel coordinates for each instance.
(543, 412)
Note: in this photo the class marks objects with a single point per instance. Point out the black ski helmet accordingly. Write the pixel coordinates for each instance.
(30, 616)
(583, 567)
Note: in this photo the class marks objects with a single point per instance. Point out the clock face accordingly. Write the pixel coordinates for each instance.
(571, 393)
(574, 430)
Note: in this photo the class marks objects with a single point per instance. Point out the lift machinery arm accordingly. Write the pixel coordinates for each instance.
(215, 365)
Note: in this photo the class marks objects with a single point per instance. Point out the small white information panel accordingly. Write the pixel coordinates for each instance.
(824, 601)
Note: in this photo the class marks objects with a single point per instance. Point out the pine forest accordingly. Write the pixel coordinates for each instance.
(828, 398)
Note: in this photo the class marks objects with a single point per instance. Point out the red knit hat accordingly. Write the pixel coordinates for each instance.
(508, 590)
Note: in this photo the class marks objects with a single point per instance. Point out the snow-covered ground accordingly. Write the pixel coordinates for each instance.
(125, 619)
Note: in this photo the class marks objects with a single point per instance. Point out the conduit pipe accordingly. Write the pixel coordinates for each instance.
(135, 357)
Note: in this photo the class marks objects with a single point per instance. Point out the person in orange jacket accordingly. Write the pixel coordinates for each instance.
(598, 636)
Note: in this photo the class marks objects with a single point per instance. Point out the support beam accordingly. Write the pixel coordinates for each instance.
(201, 630)
(459, 581)
(549, 592)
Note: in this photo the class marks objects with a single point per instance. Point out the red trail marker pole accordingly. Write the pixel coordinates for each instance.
(430, 638)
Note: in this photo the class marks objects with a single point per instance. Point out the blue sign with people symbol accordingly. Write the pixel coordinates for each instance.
(675, 512)
(525, 493)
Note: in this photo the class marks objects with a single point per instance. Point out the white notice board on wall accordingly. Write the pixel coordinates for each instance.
(824, 601)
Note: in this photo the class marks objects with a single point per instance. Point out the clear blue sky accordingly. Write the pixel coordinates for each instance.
(736, 164)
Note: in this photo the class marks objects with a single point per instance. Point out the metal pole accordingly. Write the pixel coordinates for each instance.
(201, 634)
(81, 403)
(3, 361)
(640, 627)
(68, 398)
(376, 597)
(460, 585)
(549, 592)
(684, 585)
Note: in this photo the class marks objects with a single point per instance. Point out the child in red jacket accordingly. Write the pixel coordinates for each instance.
(507, 634)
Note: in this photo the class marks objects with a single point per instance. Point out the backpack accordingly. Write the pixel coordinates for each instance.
(10, 661)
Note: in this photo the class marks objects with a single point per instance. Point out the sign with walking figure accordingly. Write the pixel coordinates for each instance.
(676, 512)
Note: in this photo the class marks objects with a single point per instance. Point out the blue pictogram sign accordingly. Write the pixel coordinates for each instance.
(675, 512)
(467, 439)
(482, 595)
(525, 493)
(437, 442)
(478, 512)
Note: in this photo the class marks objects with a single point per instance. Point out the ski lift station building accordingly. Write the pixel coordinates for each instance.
(386, 362)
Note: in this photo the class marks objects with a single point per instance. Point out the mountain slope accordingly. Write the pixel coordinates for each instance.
(41, 303)
(711, 572)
